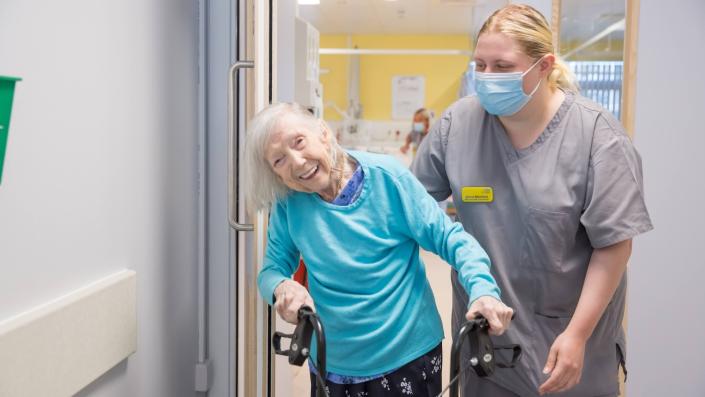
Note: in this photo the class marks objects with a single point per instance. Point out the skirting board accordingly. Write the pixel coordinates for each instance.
(60, 347)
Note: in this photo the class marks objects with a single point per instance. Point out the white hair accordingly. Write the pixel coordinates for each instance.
(262, 186)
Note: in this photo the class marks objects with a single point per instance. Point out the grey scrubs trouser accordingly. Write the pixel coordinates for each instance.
(478, 387)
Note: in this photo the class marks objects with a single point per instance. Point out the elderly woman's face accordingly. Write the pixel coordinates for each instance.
(300, 156)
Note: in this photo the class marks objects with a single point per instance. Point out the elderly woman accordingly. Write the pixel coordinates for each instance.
(358, 220)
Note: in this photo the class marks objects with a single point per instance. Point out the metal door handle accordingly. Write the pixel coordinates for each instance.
(232, 159)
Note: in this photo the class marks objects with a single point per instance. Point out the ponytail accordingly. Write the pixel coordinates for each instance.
(562, 77)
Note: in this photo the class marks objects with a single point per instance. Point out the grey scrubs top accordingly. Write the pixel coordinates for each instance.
(539, 212)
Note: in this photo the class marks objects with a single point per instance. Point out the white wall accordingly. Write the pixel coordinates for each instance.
(666, 323)
(286, 13)
(101, 170)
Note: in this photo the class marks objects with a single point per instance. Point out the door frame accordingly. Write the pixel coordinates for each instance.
(233, 321)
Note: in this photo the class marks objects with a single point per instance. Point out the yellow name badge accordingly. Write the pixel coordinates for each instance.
(477, 194)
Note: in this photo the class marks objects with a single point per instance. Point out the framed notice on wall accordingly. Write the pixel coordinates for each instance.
(408, 95)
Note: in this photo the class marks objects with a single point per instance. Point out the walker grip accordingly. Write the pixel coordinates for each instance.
(299, 346)
(483, 352)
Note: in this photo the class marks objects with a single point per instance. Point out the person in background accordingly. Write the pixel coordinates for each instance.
(358, 220)
(551, 185)
(419, 129)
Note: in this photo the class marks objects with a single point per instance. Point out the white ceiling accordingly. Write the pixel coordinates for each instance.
(396, 17)
(579, 18)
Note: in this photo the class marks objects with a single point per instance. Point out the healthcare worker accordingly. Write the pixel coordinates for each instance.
(419, 129)
(550, 184)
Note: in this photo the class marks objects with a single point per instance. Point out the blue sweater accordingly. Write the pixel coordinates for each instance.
(365, 274)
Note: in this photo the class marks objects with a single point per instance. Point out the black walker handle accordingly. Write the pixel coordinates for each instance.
(482, 351)
(300, 345)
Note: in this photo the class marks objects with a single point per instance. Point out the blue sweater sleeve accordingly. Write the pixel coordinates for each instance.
(281, 257)
(435, 232)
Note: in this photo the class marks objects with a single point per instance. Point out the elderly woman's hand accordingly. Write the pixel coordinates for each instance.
(498, 314)
(289, 297)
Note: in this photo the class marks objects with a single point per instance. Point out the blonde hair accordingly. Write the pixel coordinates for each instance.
(262, 186)
(531, 31)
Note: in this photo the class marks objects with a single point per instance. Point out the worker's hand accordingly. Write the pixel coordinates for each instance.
(404, 149)
(565, 363)
(498, 314)
(289, 296)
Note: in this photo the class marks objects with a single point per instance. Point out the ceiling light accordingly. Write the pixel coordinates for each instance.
(309, 2)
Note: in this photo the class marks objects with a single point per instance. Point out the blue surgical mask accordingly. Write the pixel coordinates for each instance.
(419, 127)
(502, 94)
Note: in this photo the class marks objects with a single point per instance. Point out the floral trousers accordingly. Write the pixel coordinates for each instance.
(420, 377)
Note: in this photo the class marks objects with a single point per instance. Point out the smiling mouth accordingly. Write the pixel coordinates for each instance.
(309, 174)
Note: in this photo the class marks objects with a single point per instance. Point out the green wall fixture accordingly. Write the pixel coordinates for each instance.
(7, 90)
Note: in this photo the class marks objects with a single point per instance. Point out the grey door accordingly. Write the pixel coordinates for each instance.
(234, 357)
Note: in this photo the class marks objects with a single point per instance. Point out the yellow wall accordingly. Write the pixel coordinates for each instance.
(442, 72)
